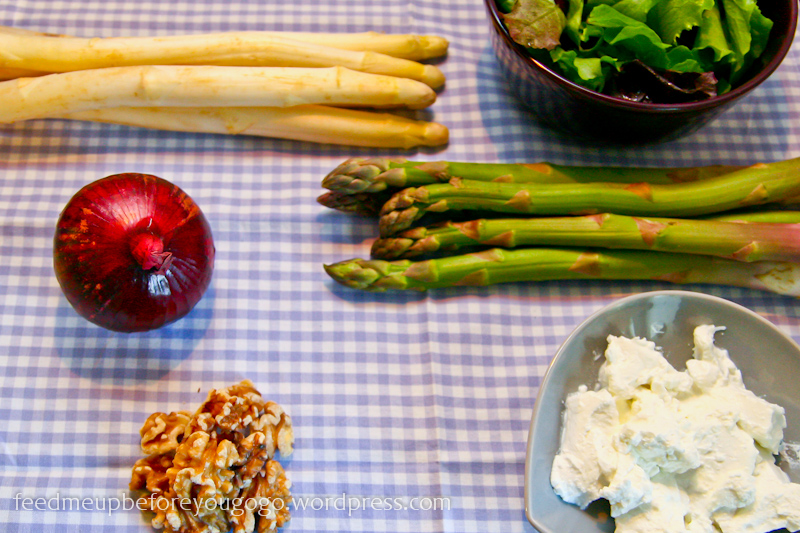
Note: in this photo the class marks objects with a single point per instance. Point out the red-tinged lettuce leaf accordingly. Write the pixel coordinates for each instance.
(670, 18)
(536, 23)
(640, 83)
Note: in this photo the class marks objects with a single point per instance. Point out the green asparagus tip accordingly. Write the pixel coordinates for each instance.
(360, 204)
(353, 273)
(356, 175)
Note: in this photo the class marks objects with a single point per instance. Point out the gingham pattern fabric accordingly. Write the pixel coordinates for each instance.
(393, 395)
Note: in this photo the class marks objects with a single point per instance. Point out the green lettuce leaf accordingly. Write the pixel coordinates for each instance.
(670, 18)
(760, 27)
(642, 42)
(574, 20)
(635, 9)
(591, 4)
(624, 32)
(626, 27)
(683, 59)
(505, 6)
(737, 25)
(536, 23)
(589, 34)
(747, 31)
(711, 35)
(589, 72)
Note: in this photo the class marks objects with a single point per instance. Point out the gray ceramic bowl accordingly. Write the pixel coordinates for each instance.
(578, 111)
(768, 359)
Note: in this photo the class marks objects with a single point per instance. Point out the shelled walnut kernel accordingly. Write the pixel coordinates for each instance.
(215, 471)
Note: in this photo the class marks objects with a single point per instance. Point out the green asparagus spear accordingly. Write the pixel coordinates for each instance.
(743, 241)
(362, 175)
(772, 217)
(545, 264)
(359, 203)
(755, 185)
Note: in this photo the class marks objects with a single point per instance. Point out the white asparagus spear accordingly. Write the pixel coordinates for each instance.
(10, 73)
(25, 31)
(404, 46)
(204, 86)
(64, 54)
(313, 123)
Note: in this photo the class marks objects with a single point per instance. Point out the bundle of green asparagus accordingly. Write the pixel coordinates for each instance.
(715, 224)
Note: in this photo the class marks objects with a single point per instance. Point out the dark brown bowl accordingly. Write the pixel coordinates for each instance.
(578, 111)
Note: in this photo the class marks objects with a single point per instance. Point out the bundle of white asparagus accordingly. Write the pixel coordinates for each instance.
(299, 86)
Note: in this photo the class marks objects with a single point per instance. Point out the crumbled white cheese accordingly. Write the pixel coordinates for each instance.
(675, 451)
(634, 363)
(774, 507)
(587, 441)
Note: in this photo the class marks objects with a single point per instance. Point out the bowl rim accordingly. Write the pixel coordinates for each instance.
(733, 94)
(585, 324)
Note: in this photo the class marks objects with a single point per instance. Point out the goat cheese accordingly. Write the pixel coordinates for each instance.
(675, 451)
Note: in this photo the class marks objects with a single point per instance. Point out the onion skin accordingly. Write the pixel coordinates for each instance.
(133, 252)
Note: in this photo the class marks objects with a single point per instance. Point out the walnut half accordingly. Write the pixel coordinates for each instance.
(161, 433)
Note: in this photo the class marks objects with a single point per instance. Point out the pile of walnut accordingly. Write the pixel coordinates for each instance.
(214, 470)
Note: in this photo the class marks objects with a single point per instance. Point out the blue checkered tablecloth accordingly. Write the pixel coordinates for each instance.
(392, 395)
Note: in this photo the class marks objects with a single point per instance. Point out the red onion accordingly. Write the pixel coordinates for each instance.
(133, 252)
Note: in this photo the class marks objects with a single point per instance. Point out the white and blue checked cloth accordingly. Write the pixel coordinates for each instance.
(393, 395)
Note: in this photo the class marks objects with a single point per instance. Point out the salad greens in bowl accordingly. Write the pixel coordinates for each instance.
(665, 51)
(656, 69)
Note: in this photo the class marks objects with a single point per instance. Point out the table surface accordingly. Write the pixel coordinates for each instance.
(392, 395)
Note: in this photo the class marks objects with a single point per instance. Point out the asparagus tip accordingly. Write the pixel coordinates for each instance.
(398, 220)
(432, 76)
(435, 45)
(354, 273)
(435, 134)
(360, 204)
